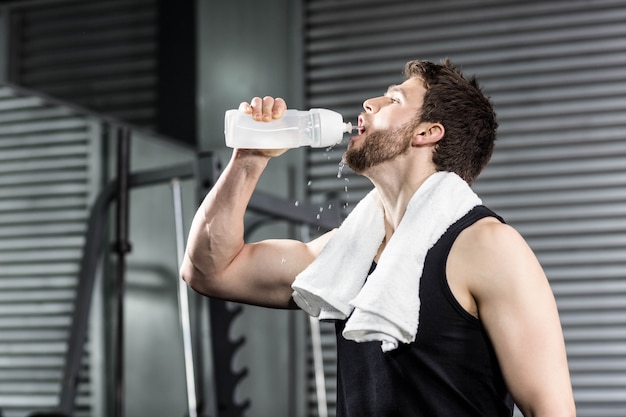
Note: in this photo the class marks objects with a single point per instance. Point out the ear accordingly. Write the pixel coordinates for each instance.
(427, 133)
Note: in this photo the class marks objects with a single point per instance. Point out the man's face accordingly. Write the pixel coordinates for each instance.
(386, 126)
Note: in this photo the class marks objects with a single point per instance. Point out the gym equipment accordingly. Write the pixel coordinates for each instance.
(205, 170)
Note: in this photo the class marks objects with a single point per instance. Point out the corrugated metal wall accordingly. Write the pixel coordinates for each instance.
(98, 55)
(555, 71)
(48, 177)
(101, 55)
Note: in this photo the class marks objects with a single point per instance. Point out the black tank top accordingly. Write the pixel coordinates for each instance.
(450, 370)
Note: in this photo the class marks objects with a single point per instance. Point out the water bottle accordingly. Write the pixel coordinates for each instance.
(317, 128)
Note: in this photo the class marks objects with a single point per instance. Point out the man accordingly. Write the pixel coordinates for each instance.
(441, 309)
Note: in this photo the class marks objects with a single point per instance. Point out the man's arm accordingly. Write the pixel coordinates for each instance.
(515, 303)
(217, 261)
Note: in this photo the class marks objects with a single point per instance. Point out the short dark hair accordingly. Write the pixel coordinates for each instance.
(465, 112)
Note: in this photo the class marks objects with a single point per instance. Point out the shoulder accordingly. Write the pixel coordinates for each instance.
(489, 233)
(492, 258)
(316, 245)
(489, 243)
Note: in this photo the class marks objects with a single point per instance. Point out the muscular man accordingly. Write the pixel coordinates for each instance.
(441, 309)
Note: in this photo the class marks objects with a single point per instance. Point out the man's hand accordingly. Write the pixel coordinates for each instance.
(265, 109)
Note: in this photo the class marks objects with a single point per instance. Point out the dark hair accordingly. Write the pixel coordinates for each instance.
(465, 112)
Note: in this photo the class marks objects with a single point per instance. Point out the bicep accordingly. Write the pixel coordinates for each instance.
(262, 272)
(516, 306)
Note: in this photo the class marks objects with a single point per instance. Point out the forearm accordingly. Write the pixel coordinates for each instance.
(216, 234)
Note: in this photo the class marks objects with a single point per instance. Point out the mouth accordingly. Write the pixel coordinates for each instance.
(361, 126)
(360, 130)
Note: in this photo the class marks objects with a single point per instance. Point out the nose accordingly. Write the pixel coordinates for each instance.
(371, 105)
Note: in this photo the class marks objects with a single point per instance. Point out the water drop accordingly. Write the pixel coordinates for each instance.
(297, 203)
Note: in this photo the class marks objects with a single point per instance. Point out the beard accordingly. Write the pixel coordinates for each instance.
(380, 146)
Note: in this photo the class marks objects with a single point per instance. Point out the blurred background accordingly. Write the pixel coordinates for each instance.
(111, 129)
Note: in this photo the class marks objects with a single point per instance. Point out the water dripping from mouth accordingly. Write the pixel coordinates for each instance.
(340, 171)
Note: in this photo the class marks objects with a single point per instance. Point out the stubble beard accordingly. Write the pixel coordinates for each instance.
(379, 146)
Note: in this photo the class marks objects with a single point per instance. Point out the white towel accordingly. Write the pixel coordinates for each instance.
(384, 306)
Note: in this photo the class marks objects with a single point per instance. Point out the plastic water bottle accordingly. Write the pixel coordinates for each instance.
(317, 128)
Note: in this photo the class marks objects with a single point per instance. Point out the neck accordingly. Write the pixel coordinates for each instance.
(396, 187)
